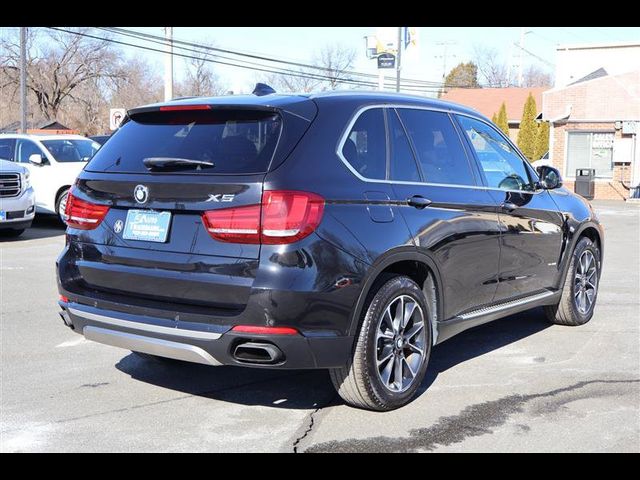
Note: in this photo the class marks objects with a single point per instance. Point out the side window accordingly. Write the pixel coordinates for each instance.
(26, 148)
(365, 147)
(403, 163)
(438, 146)
(6, 148)
(502, 166)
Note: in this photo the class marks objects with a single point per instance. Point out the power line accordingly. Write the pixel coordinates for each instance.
(160, 39)
(199, 48)
(534, 55)
(293, 73)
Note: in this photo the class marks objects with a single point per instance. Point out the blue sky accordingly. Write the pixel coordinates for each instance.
(425, 63)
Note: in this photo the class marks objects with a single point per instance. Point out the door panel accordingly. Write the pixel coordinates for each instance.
(531, 225)
(460, 230)
(459, 226)
(531, 243)
(40, 174)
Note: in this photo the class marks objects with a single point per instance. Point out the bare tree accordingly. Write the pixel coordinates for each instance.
(492, 69)
(291, 83)
(335, 61)
(142, 85)
(200, 78)
(59, 65)
(534, 76)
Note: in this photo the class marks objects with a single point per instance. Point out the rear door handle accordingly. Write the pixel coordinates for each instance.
(508, 206)
(418, 201)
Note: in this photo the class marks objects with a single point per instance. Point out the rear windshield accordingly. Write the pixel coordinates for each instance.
(225, 141)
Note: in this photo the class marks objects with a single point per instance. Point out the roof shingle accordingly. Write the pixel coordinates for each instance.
(488, 100)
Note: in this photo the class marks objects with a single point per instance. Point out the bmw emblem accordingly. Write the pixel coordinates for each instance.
(117, 227)
(141, 193)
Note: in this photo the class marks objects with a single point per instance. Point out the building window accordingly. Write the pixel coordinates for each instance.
(590, 150)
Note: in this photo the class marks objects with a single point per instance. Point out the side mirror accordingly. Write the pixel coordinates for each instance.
(549, 177)
(37, 160)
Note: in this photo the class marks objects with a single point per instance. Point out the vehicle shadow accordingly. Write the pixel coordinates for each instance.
(291, 389)
(483, 339)
(308, 389)
(43, 226)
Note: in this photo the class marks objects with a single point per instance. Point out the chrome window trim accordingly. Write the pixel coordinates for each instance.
(345, 135)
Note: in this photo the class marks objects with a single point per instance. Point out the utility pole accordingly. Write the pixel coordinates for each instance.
(520, 56)
(23, 79)
(168, 65)
(445, 55)
(398, 59)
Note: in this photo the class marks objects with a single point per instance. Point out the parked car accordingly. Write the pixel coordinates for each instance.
(100, 138)
(54, 162)
(17, 200)
(343, 231)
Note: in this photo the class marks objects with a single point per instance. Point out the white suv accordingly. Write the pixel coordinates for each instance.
(17, 201)
(54, 162)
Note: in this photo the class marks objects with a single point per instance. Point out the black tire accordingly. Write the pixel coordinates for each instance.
(61, 197)
(359, 383)
(566, 312)
(12, 233)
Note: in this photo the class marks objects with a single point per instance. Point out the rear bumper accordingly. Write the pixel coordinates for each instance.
(198, 343)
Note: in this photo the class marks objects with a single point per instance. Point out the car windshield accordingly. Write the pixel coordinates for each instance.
(71, 150)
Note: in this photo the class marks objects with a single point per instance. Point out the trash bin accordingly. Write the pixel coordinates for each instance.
(585, 182)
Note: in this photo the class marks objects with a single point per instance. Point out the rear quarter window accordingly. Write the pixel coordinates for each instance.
(365, 146)
(235, 141)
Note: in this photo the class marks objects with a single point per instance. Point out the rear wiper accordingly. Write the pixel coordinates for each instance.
(164, 162)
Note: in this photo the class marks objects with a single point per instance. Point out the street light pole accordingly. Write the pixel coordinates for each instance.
(168, 65)
(23, 79)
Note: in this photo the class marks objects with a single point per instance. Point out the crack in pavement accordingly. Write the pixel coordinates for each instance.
(312, 422)
(307, 431)
(475, 420)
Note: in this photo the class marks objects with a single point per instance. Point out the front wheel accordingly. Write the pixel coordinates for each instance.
(61, 204)
(580, 289)
(392, 349)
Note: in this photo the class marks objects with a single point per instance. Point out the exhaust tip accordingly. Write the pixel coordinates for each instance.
(258, 353)
(64, 315)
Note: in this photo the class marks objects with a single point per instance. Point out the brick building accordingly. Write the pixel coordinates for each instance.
(592, 125)
(488, 101)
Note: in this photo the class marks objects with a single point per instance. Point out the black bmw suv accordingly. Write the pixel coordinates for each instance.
(345, 231)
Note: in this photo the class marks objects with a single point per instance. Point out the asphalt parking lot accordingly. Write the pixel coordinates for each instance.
(518, 384)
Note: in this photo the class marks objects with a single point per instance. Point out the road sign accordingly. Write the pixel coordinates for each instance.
(116, 115)
(386, 60)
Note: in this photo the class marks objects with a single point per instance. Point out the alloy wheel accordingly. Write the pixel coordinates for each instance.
(585, 283)
(400, 343)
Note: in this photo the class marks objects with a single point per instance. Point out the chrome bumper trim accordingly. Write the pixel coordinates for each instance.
(152, 346)
(146, 327)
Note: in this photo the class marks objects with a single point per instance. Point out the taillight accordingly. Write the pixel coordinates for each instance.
(257, 330)
(289, 216)
(284, 216)
(237, 225)
(83, 215)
